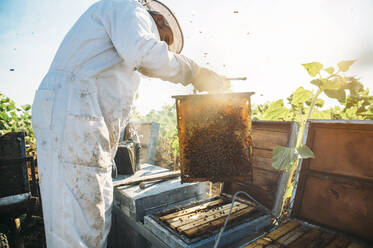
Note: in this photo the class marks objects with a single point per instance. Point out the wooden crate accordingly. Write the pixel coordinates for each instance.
(332, 205)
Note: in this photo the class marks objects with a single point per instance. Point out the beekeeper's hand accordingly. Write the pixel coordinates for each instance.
(207, 80)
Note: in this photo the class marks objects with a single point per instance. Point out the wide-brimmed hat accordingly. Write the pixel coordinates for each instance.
(156, 6)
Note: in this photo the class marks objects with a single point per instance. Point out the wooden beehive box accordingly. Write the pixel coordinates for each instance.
(267, 186)
(332, 205)
(13, 167)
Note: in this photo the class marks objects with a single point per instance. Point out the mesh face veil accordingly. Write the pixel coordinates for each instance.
(163, 27)
(163, 15)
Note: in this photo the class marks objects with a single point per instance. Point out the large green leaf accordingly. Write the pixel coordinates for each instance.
(340, 95)
(335, 88)
(345, 65)
(334, 84)
(313, 68)
(305, 152)
(283, 157)
(300, 96)
(329, 70)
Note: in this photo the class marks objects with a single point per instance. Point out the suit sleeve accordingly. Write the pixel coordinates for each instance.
(136, 39)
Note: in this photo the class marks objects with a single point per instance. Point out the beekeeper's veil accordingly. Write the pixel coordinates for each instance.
(158, 7)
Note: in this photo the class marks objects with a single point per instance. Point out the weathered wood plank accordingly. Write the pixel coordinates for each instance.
(192, 209)
(275, 234)
(343, 152)
(282, 230)
(292, 235)
(257, 152)
(275, 126)
(185, 219)
(269, 139)
(216, 223)
(262, 162)
(306, 240)
(265, 180)
(259, 243)
(207, 219)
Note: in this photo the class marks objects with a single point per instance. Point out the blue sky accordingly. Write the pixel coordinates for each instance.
(266, 41)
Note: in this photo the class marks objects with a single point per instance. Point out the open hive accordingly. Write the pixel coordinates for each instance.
(195, 220)
(197, 224)
(214, 137)
(331, 205)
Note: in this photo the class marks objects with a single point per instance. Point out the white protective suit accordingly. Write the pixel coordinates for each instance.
(80, 109)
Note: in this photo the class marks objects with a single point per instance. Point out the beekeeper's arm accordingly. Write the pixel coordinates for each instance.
(134, 35)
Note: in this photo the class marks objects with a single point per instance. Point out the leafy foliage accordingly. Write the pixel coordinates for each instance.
(15, 119)
(304, 103)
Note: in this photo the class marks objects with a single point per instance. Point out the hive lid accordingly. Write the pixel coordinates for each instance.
(335, 189)
(268, 184)
(214, 137)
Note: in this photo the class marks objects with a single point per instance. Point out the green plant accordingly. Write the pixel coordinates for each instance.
(15, 119)
(304, 106)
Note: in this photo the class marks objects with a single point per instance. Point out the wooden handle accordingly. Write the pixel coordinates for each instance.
(160, 176)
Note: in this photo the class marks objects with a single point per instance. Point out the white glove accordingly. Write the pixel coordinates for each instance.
(207, 80)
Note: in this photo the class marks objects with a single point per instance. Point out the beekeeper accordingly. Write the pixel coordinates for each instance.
(83, 103)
